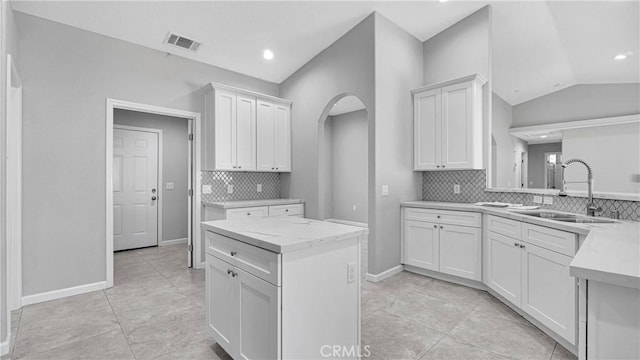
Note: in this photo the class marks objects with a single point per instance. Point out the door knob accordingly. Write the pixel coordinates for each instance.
(154, 198)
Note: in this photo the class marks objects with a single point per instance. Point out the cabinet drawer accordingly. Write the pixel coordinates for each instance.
(262, 263)
(289, 210)
(259, 211)
(505, 227)
(555, 240)
(444, 217)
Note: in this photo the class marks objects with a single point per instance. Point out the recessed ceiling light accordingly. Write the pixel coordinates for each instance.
(267, 54)
(620, 57)
(543, 136)
(443, 1)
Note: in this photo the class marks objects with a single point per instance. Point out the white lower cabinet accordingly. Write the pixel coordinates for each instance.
(242, 311)
(421, 244)
(505, 267)
(548, 291)
(450, 249)
(533, 278)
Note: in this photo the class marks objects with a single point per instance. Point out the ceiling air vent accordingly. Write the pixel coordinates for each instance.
(181, 42)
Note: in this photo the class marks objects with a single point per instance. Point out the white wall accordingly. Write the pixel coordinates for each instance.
(349, 157)
(327, 165)
(612, 151)
(8, 45)
(579, 102)
(175, 167)
(68, 74)
(398, 70)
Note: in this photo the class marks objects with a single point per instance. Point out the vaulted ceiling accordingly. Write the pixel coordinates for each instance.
(536, 44)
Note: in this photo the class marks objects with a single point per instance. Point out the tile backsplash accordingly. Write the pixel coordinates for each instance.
(244, 185)
(438, 186)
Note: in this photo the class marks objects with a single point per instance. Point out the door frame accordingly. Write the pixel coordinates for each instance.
(159, 177)
(195, 200)
(14, 189)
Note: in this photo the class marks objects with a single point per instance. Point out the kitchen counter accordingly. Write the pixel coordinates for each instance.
(251, 203)
(610, 252)
(284, 234)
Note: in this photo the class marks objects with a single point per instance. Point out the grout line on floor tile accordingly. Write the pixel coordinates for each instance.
(553, 351)
(120, 325)
(60, 346)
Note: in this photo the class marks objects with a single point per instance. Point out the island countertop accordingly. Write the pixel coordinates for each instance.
(251, 203)
(610, 252)
(281, 234)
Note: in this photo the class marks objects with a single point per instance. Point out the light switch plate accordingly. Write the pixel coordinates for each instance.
(547, 200)
(456, 188)
(351, 272)
(259, 188)
(537, 199)
(206, 189)
(385, 190)
(169, 186)
(230, 189)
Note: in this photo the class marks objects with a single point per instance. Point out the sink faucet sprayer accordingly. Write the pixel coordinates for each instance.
(591, 207)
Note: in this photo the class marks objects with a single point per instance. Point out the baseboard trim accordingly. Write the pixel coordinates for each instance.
(385, 274)
(6, 345)
(347, 222)
(62, 293)
(173, 242)
(476, 284)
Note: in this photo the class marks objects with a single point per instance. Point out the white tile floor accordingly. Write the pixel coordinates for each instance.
(156, 311)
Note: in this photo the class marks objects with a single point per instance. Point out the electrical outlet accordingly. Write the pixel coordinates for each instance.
(456, 188)
(259, 188)
(170, 186)
(354, 208)
(206, 189)
(385, 190)
(230, 189)
(547, 200)
(351, 272)
(537, 199)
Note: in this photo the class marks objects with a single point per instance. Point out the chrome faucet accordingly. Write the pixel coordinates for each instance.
(591, 207)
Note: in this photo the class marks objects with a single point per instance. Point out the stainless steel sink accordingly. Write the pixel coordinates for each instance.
(564, 217)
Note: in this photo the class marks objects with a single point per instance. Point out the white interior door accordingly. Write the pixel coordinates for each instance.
(135, 189)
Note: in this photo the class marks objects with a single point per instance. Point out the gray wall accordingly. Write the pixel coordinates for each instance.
(537, 163)
(345, 67)
(326, 157)
(504, 145)
(175, 167)
(464, 49)
(398, 70)
(349, 184)
(579, 102)
(68, 73)
(8, 45)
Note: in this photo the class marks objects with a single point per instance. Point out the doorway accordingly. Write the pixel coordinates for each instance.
(137, 171)
(192, 248)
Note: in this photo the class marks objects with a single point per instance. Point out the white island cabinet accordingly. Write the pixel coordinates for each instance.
(283, 287)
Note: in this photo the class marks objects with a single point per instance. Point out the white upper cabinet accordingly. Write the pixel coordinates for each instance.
(274, 136)
(246, 131)
(448, 125)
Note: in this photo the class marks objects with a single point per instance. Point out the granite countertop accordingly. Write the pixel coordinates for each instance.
(282, 234)
(251, 203)
(610, 252)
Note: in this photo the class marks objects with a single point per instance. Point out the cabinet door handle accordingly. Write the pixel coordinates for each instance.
(441, 227)
(232, 273)
(435, 226)
(239, 167)
(522, 246)
(438, 216)
(248, 214)
(286, 210)
(233, 253)
(516, 244)
(443, 166)
(437, 166)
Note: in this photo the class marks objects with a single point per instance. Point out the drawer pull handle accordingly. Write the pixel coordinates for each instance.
(522, 246)
(441, 227)
(286, 210)
(234, 253)
(435, 226)
(438, 216)
(515, 244)
(232, 273)
(248, 214)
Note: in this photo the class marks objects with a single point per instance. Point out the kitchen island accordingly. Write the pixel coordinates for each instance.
(283, 287)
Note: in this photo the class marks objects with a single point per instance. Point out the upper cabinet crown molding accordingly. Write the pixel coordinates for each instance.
(213, 85)
(241, 136)
(448, 126)
(477, 78)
